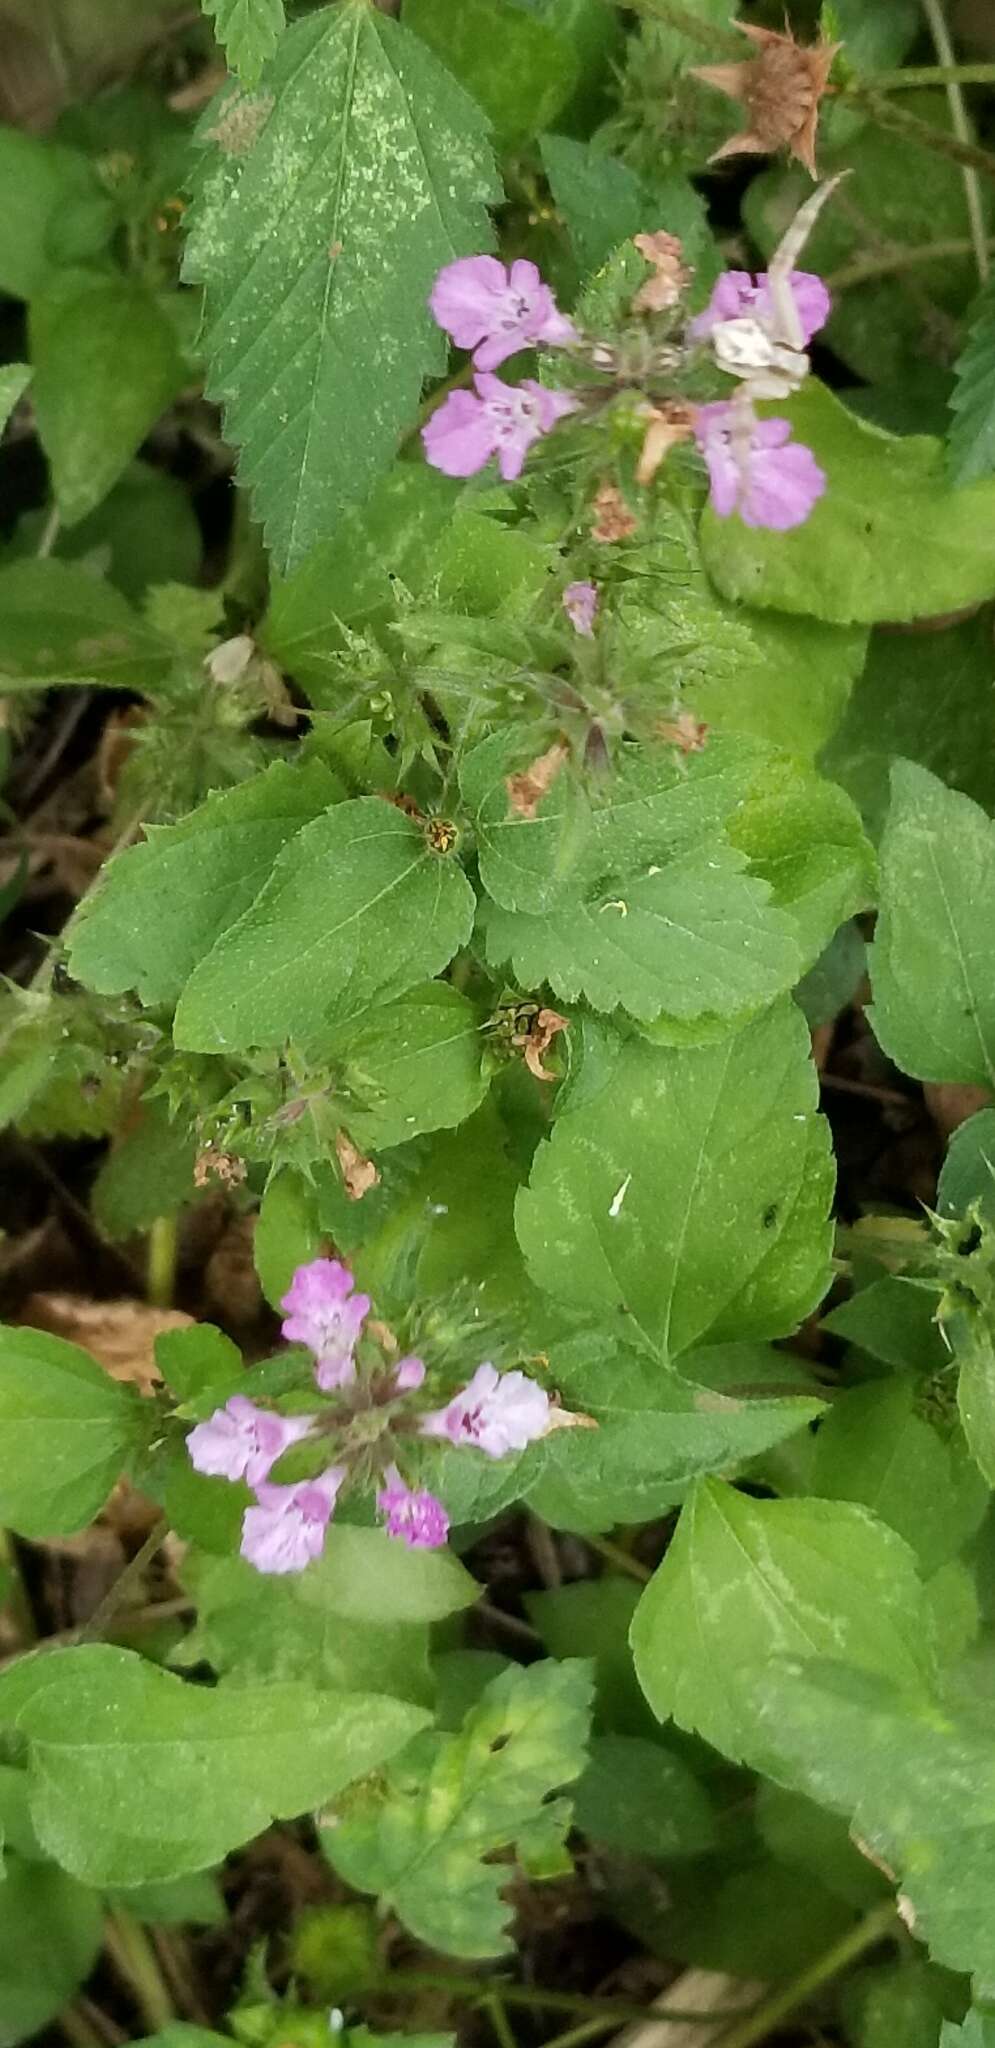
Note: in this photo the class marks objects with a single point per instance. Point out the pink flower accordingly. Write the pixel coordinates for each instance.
(494, 311)
(502, 420)
(736, 295)
(418, 1519)
(408, 1374)
(496, 1412)
(755, 468)
(286, 1530)
(241, 1441)
(580, 602)
(325, 1314)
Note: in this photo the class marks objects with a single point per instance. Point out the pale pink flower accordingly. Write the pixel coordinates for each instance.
(408, 1375)
(241, 1441)
(736, 295)
(286, 1529)
(495, 311)
(501, 419)
(497, 1413)
(755, 468)
(325, 1314)
(580, 602)
(418, 1519)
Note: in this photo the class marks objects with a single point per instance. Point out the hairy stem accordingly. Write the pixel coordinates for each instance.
(874, 1927)
(866, 267)
(961, 124)
(92, 1630)
(917, 75)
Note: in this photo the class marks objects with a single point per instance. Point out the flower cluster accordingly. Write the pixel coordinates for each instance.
(285, 1528)
(755, 329)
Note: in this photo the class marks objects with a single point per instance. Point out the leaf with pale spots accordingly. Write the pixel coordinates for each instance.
(685, 1201)
(337, 196)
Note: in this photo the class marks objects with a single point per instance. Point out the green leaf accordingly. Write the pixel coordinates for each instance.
(591, 1618)
(515, 64)
(66, 1429)
(889, 540)
(916, 1783)
(642, 1799)
(833, 980)
(250, 1627)
(895, 1320)
(748, 1579)
(603, 202)
(971, 438)
(14, 380)
(791, 689)
(804, 839)
(409, 1066)
(697, 943)
(214, 1767)
(51, 1930)
(299, 959)
(51, 183)
(288, 1233)
(147, 1172)
(927, 697)
(931, 963)
(418, 1840)
(968, 1171)
(161, 906)
(657, 1432)
(974, 1350)
(873, 1447)
(364, 1576)
(59, 624)
(978, 2031)
(196, 1358)
(686, 1201)
(195, 1901)
(810, 1840)
(337, 199)
(106, 364)
(248, 31)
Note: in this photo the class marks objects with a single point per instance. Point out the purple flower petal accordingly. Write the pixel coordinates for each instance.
(580, 602)
(417, 1519)
(325, 1314)
(755, 468)
(408, 1375)
(286, 1529)
(496, 1413)
(501, 419)
(241, 1441)
(736, 294)
(496, 312)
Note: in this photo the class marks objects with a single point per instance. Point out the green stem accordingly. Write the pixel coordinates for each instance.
(49, 534)
(78, 2029)
(92, 1630)
(960, 122)
(134, 1959)
(576, 2036)
(476, 1989)
(875, 1925)
(615, 1555)
(895, 260)
(162, 1254)
(916, 75)
(500, 2021)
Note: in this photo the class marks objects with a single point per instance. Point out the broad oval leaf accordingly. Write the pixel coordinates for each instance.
(66, 1429)
(356, 906)
(686, 1201)
(137, 1776)
(748, 1579)
(160, 906)
(339, 195)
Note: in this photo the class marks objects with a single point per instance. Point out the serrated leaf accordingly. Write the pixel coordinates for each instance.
(106, 362)
(520, 70)
(14, 381)
(160, 907)
(214, 1766)
(66, 1429)
(248, 31)
(697, 942)
(971, 439)
(916, 1783)
(890, 539)
(356, 906)
(687, 1200)
(418, 1841)
(746, 1579)
(409, 1066)
(804, 838)
(931, 964)
(362, 172)
(59, 624)
(874, 1448)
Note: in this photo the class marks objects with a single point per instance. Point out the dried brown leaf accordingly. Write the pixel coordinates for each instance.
(527, 789)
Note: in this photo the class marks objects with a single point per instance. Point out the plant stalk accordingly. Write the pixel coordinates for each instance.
(961, 124)
(874, 1927)
(478, 1990)
(162, 1256)
(134, 1958)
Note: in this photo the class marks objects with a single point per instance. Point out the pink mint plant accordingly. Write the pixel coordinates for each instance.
(324, 1313)
(737, 296)
(496, 1413)
(754, 467)
(495, 312)
(284, 1531)
(580, 602)
(241, 1441)
(500, 419)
